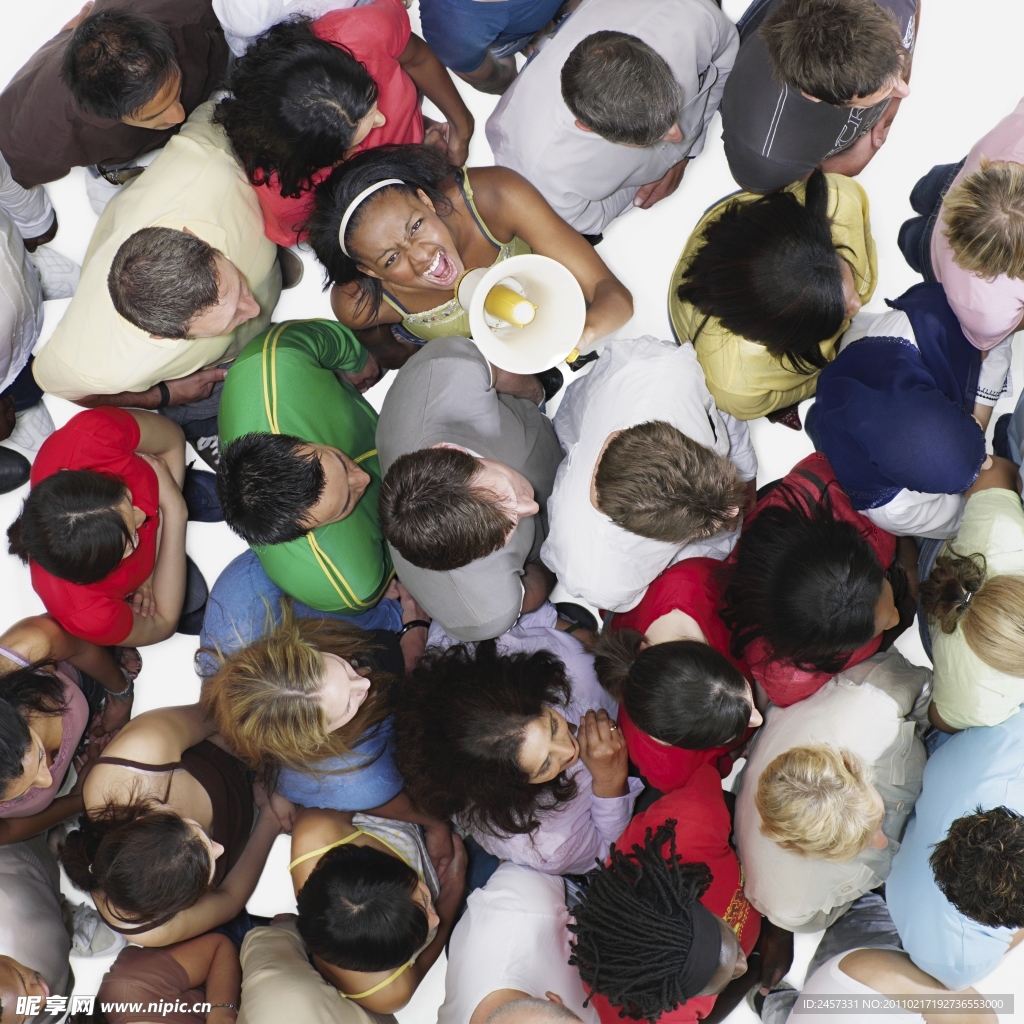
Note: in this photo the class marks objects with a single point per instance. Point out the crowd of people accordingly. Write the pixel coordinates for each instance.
(462, 765)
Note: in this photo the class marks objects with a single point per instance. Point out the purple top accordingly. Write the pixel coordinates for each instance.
(573, 836)
(75, 721)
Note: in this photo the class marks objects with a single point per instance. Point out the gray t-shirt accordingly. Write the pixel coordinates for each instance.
(773, 134)
(32, 927)
(442, 395)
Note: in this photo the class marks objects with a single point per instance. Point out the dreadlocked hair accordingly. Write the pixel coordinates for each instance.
(633, 930)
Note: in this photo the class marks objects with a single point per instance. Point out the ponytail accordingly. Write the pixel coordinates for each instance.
(947, 593)
(15, 541)
(615, 654)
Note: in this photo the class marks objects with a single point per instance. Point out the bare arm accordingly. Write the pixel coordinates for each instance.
(211, 960)
(164, 439)
(493, 76)
(938, 721)
(538, 582)
(514, 207)
(14, 830)
(432, 79)
(195, 386)
(437, 833)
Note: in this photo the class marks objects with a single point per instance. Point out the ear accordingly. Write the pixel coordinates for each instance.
(808, 96)
(454, 447)
(189, 231)
(364, 269)
(582, 127)
(425, 199)
(555, 998)
(674, 134)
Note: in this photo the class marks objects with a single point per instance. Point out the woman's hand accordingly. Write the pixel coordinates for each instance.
(453, 885)
(144, 600)
(603, 751)
(284, 809)
(440, 847)
(450, 141)
(171, 498)
(115, 715)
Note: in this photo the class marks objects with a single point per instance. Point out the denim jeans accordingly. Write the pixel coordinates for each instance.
(245, 600)
(915, 238)
(865, 924)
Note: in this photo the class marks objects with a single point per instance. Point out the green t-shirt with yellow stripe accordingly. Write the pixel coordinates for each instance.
(284, 383)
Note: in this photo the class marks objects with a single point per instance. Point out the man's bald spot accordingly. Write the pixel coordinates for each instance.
(531, 1011)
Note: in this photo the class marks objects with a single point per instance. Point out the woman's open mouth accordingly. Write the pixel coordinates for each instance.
(442, 271)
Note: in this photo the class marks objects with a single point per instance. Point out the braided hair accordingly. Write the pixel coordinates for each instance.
(634, 931)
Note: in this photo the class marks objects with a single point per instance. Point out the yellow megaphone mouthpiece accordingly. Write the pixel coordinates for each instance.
(505, 304)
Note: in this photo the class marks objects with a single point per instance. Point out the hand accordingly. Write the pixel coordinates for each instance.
(453, 885)
(281, 920)
(647, 195)
(171, 497)
(284, 809)
(129, 660)
(78, 18)
(84, 763)
(440, 847)
(144, 600)
(195, 386)
(775, 946)
(450, 141)
(369, 375)
(603, 751)
(114, 716)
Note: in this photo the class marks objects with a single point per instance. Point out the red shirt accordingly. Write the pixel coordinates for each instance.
(103, 440)
(702, 834)
(784, 683)
(375, 35)
(690, 587)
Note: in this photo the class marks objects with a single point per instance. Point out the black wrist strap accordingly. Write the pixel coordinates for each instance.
(165, 395)
(411, 625)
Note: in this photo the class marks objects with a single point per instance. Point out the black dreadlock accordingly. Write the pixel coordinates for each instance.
(633, 929)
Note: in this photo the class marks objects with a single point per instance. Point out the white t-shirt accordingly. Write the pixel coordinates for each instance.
(913, 513)
(513, 935)
(633, 382)
(244, 20)
(829, 980)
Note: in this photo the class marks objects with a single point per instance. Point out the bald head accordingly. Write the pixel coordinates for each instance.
(532, 1011)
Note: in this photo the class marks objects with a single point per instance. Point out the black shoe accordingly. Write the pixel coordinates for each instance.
(292, 268)
(1001, 437)
(14, 470)
(577, 614)
(551, 381)
(200, 493)
(580, 361)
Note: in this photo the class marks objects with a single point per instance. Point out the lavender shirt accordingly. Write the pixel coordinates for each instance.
(571, 837)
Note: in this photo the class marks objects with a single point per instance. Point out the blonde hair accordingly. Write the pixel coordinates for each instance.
(818, 801)
(265, 696)
(988, 609)
(984, 220)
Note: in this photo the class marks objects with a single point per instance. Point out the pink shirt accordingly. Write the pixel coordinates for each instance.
(988, 311)
(75, 721)
(375, 34)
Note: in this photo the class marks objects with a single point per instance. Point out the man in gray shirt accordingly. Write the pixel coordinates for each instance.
(610, 110)
(816, 83)
(469, 461)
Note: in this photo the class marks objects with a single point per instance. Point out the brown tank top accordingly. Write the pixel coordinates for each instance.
(228, 784)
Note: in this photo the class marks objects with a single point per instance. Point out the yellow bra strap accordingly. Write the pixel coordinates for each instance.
(324, 849)
(377, 988)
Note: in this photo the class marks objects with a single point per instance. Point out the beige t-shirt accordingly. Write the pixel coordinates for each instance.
(967, 691)
(197, 183)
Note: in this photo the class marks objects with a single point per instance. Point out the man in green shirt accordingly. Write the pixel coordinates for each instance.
(299, 472)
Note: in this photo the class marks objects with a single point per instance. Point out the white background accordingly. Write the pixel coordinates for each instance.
(966, 77)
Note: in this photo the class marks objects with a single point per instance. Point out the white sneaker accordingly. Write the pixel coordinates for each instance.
(92, 937)
(32, 427)
(58, 274)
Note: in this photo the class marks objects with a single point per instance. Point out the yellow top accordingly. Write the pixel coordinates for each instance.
(744, 378)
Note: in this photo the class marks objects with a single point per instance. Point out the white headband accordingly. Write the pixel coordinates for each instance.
(354, 205)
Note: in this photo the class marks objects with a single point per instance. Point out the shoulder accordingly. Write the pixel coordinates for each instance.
(317, 827)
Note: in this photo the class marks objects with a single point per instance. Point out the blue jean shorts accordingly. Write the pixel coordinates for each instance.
(461, 32)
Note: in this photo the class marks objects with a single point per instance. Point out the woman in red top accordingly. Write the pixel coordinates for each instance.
(309, 95)
(683, 701)
(665, 927)
(813, 586)
(103, 528)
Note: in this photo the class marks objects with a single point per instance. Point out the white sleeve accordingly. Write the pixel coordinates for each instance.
(244, 20)
(913, 514)
(741, 448)
(995, 373)
(30, 208)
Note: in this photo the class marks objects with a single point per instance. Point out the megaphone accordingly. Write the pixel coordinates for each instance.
(526, 313)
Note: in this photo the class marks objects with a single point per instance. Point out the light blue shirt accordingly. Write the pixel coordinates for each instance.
(980, 767)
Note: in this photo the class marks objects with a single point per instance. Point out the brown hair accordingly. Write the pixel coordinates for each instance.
(431, 512)
(818, 801)
(655, 481)
(988, 609)
(983, 218)
(264, 698)
(834, 50)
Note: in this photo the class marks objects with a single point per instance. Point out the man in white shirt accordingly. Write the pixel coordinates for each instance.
(702, 459)
(610, 110)
(511, 949)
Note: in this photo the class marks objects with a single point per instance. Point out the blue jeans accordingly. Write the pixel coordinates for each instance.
(915, 238)
(461, 32)
(245, 601)
(866, 924)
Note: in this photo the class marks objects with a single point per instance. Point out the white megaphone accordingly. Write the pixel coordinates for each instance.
(526, 314)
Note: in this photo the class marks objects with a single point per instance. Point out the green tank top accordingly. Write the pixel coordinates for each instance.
(450, 319)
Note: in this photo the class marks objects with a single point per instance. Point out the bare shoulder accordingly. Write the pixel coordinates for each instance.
(355, 310)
